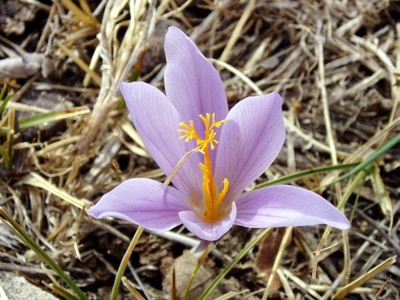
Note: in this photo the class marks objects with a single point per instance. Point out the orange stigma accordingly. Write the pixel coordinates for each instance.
(212, 199)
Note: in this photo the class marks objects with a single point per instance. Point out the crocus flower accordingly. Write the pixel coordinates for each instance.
(234, 148)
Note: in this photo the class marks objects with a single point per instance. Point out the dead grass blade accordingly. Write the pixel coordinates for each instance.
(364, 278)
(132, 289)
(35, 179)
(83, 15)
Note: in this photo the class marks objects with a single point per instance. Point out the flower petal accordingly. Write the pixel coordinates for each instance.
(144, 202)
(284, 205)
(192, 84)
(251, 138)
(205, 230)
(157, 122)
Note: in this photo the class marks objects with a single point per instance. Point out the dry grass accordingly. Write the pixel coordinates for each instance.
(336, 64)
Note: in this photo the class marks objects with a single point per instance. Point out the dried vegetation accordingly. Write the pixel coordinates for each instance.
(336, 64)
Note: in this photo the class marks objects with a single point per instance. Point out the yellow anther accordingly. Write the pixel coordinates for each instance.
(209, 141)
(212, 199)
(189, 132)
(217, 124)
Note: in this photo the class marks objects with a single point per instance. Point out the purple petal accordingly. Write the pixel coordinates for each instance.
(144, 202)
(157, 123)
(192, 84)
(251, 138)
(205, 230)
(284, 205)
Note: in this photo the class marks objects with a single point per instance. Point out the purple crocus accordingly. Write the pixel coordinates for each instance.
(234, 148)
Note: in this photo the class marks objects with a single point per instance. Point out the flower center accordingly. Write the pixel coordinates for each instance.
(212, 199)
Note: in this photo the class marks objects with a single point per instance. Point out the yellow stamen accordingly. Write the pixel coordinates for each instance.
(212, 200)
(189, 132)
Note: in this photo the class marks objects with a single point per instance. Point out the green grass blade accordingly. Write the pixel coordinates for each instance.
(124, 263)
(63, 293)
(234, 261)
(4, 103)
(53, 116)
(4, 98)
(306, 173)
(3, 92)
(196, 269)
(6, 158)
(357, 167)
(382, 195)
(29, 242)
(368, 161)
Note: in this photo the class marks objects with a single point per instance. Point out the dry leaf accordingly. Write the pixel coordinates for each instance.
(183, 267)
(265, 258)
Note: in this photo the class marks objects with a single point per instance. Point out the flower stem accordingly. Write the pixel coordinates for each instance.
(234, 261)
(124, 262)
(196, 269)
